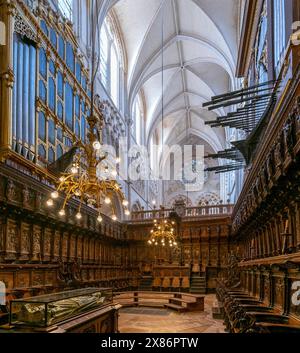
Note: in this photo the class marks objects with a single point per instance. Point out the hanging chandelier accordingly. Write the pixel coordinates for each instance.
(163, 233)
(91, 179)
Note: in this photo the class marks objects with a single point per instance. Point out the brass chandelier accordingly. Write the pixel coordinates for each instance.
(163, 233)
(90, 179)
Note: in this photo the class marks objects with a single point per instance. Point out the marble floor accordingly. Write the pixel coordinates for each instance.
(151, 320)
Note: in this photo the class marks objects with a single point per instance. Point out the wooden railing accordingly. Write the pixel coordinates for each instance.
(189, 212)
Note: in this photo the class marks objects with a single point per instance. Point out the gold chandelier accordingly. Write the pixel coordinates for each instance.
(91, 179)
(163, 233)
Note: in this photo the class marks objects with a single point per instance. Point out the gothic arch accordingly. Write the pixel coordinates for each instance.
(208, 198)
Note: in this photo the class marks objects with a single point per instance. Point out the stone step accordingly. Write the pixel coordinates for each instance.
(179, 301)
(175, 307)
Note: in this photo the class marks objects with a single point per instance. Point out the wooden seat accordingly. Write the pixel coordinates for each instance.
(166, 283)
(157, 282)
(185, 283)
(176, 282)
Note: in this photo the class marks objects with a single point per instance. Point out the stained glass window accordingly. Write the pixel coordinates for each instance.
(78, 72)
(42, 126)
(61, 47)
(68, 142)
(51, 155)
(44, 27)
(42, 152)
(60, 135)
(69, 106)
(51, 131)
(53, 37)
(77, 106)
(52, 67)
(77, 129)
(52, 94)
(279, 32)
(60, 84)
(60, 111)
(70, 57)
(84, 84)
(83, 128)
(43, 91)
(59, 151)
(43, 63)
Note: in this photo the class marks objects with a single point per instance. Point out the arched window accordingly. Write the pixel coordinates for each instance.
(114, 82)
(104, 49)
(109, 62)
(65, 6)
(138, 118)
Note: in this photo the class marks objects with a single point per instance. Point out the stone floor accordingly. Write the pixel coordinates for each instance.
(151, 320)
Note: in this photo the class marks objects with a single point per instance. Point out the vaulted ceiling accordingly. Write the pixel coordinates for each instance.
(195, 41)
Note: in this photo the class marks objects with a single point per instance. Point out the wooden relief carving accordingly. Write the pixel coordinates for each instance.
(25, 242)
(47, 244)
(65, 245)
(79, 247)
(38, 278)
(266, 289)
(36, 243)
(23, 280)
(279, 291)
(72, 246)
(56, 250)
(11, 194)
(11, 240)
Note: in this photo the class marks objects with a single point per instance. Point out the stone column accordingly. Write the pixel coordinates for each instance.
(7, 13)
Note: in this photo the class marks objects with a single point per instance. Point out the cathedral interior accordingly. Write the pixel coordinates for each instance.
(149, 166)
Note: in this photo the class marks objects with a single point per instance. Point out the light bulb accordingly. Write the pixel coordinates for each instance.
(164, 244)
(156, 243)
(78, 215)
(74, 170)
(114, 217)
(166, 222)
(114, 173)
(99, 219)
(171, 245)
(149, 242)
(62, 212)
(54, 195)
(118, 160)
(97, 145)
(153, 202)
(77, 193)
(155, 221)
(152, 231)
(50, 203)
(62, 179)
(107, 200)
(175, 244)
(127, 213)
(125, 203)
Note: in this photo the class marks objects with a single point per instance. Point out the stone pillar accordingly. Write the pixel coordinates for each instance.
(7, 13)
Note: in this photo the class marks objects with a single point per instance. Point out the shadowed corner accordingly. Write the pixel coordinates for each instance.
(2, 33)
